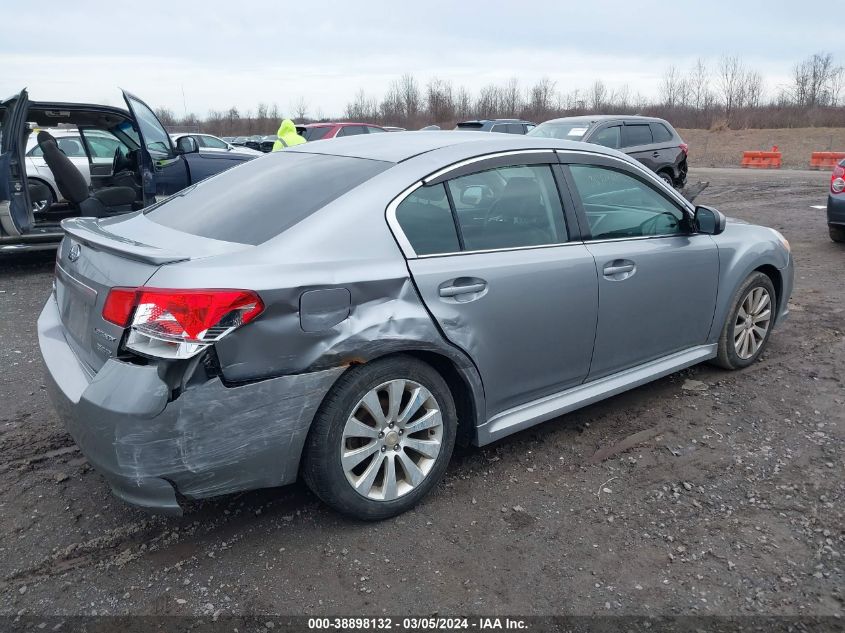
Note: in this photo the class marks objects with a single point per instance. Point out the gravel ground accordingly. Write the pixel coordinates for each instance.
(714, 492)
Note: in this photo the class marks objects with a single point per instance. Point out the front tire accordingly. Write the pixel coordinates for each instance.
(837, 233)
(746, 331)
(382, 438)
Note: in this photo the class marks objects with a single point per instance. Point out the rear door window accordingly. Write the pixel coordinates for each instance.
(638, 134)
(224, 208)
(516, 128)
(501, 127)
(508, 207)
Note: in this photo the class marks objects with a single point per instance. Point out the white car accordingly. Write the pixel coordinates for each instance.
(209, 143)
(102, 146)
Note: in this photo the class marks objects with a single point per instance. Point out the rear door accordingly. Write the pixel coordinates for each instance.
(15, 216)
(163, 171)
(638, 143)
(504, 275)
(657, 279)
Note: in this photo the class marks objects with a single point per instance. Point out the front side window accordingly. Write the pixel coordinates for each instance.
(352, 130)
(609, 137)
(636, 135)
(617, 205)
(426, 219)
(508, 207)
(212, 142)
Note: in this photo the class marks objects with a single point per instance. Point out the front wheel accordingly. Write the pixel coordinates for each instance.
(382, 438)
(748, 326)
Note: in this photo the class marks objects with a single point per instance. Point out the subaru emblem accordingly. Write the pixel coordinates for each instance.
(73, 254)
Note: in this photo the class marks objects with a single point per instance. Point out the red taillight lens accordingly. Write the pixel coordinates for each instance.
(837, 179)
(120, 303)
(684, 148)
(179, 323)
(193, 315)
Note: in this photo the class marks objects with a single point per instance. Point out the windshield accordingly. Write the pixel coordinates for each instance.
(568, 130)
(260, 199)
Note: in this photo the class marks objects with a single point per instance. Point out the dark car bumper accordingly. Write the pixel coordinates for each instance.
(211, 440)
(836, 209)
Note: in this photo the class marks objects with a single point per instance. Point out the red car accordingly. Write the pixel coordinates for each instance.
(320, 131)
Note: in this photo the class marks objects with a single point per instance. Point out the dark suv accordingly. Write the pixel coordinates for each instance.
(651, 141)
(508, 126)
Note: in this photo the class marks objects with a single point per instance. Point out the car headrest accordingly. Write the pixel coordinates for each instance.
(44, 137)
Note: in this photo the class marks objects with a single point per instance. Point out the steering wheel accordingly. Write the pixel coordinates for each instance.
(649, 227)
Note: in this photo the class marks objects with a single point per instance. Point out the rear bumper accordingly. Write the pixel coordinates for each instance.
(836, 209)
(210, 440)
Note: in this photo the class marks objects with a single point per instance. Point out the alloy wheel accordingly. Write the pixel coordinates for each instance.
(752, 322)
(391, 440)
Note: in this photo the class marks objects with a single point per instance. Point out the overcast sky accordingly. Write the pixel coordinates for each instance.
(195, 56)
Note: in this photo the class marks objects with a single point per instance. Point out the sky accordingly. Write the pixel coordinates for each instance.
(195, 56)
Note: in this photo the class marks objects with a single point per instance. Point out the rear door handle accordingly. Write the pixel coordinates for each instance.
(656, 154)
(453, 291)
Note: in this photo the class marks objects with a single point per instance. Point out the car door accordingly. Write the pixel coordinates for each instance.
(657, 279)
(638, 143)
(506, 280)
(15, 211)
(163, 170)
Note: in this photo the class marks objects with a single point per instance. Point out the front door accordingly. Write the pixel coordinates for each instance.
(495, 266)
(15, 210)
(163, 170)
(657, 280)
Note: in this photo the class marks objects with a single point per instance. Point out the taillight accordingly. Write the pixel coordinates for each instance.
(837, 182)
(684, 148)
(172, 323)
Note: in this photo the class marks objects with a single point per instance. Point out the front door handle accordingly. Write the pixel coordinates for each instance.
(619, 269)
(455, 290)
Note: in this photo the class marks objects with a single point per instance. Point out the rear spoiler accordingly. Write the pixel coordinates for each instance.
(88, 231)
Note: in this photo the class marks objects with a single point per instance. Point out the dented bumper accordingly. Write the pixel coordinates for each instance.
(210, 440)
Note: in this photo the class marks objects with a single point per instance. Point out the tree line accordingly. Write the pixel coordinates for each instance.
(727, 95)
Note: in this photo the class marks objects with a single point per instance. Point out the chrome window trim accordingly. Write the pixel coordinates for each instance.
(393, 223)
(501, 250)
(639, 237)
(478, 159)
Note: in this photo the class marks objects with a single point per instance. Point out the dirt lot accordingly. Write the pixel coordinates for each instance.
(730, 501)
(724, 148)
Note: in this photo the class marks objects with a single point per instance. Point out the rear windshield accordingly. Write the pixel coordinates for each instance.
(567, 131)
(316, 133)
(474, 125)
(260, 199)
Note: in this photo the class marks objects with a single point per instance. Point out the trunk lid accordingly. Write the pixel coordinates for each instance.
(96, 256)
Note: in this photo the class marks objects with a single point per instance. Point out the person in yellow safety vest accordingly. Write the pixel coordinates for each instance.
(287, 136)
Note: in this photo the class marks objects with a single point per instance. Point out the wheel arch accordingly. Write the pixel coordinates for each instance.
(46, 183)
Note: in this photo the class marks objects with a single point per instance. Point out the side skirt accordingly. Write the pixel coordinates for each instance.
(531, 413)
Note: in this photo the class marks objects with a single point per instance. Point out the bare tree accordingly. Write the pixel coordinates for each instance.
(299, 107)
(409, 92)
(698, 83)
(511, 99)
(673, 88)
(597, 96)
(817, 81)
(730, 83)
(166, 116)
(541, 98)
(441, 106)
(463, 103)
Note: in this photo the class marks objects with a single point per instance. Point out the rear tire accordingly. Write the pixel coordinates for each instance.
(837, 233)
(748, 326)
(666, 177)
(382, 438)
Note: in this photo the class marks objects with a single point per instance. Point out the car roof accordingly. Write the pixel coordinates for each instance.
(399, 146)
(592, 118)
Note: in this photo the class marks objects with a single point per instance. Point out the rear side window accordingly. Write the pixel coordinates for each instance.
(516, 128)
(426, 219)
(500, 128)
(660, 133)
(352, 130)
(639, 134)
(260, 199)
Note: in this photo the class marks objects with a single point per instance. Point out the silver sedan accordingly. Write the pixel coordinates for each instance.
(349, 310)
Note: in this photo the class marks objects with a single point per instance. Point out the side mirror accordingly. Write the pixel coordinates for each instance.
(472, 196)
(187, 145)
(709, 221)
